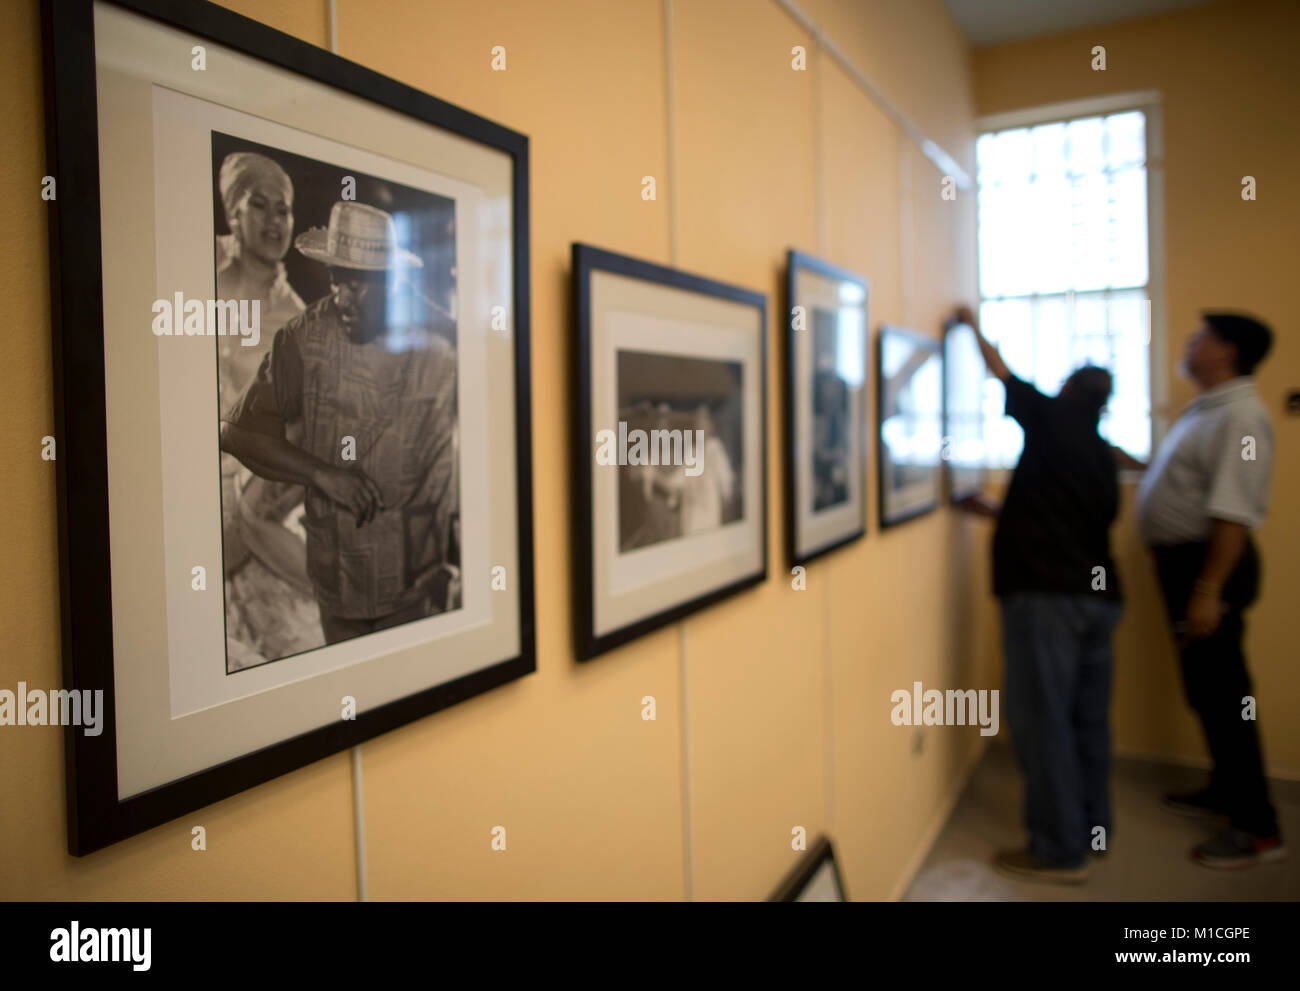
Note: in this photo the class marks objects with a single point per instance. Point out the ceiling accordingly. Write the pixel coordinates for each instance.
(993, 22)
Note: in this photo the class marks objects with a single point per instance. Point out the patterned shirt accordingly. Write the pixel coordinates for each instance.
(396, 411)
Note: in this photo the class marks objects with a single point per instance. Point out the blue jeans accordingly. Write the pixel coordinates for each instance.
(1058, 675)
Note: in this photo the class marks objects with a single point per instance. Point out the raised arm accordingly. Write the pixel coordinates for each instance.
(998, 367)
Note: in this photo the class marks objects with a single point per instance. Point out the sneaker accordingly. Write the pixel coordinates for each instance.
(1194, 805)
(1235, 848)
(1024, 865)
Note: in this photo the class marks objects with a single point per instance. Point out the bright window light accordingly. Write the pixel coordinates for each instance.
(1063, 256)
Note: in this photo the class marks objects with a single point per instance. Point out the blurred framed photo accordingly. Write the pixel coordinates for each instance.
(964, 375)
(291, 347)
(816, 878)
(672, 444)
(826, 407)
(909, 384)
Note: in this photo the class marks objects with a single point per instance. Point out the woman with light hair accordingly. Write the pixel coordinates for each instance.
(270, 607)
(257, 196)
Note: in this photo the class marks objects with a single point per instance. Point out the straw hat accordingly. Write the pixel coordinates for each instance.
(360, 237)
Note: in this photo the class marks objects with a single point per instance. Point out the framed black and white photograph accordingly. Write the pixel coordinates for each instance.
(909, 384)
(815, 878)
(291, 345)
(672, 441)
(826, 407)
(963, 411)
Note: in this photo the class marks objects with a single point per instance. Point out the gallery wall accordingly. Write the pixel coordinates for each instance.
(1230, 99)
(772, 707)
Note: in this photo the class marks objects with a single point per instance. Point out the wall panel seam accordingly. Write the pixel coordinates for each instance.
(932, 150)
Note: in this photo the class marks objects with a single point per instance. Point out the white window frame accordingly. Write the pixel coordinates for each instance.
(1147, 101)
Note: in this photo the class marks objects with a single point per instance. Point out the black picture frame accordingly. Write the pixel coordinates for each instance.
(587, 259)
(957, 492)
(797, 261)
(96, 816)
(797, 880)
(924, 342)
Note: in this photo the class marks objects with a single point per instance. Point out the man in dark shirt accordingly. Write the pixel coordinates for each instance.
(1060, 595)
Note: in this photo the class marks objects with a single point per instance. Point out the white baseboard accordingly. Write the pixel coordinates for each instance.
(936, 824)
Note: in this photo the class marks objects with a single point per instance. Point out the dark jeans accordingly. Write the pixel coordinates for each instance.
(1216, 680)
(1058, 650)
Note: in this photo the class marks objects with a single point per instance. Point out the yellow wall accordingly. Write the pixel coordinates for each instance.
(1231, 100)
(773, 707)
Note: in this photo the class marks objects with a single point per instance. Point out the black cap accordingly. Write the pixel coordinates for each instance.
(1252, 337)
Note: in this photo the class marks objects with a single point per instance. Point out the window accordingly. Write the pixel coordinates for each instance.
(1064, 266)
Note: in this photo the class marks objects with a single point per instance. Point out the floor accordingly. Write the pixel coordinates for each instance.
(1147, 857)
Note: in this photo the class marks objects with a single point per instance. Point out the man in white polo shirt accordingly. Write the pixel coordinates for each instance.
(1206, 489)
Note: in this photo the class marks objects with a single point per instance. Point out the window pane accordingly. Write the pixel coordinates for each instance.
(1083, 146)
(1052, 335)
(1126, 139)
(1063, 260)
(1049, 233)
(1012, 322)
(1016, 155)
(1049, 150)
(1128, 228)
(995, 245)
(1090, 258)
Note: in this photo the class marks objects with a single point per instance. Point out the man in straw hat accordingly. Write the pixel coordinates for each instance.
(377, 453)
